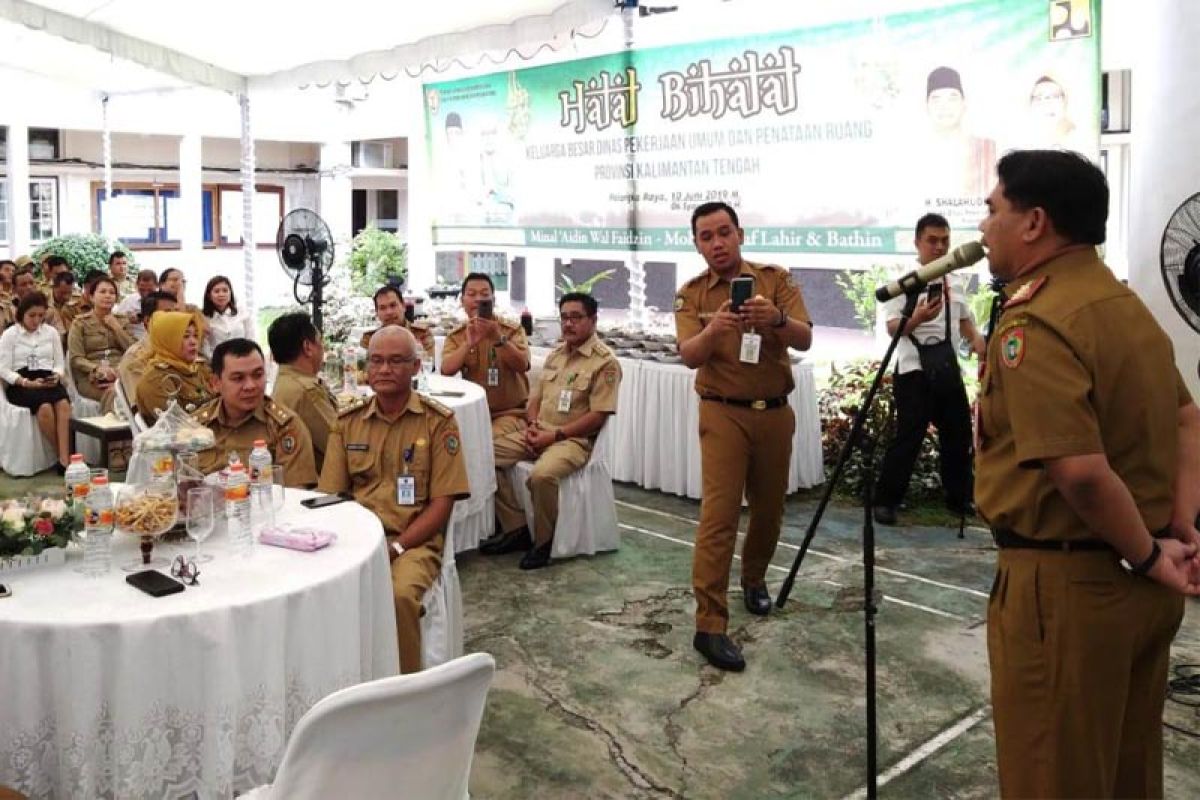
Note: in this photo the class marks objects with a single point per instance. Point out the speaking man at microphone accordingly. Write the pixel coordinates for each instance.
(928, 386)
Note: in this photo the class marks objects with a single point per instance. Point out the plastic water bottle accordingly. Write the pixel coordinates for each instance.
(262, 484)
(78, 479)
(237, 509)
(98, 528)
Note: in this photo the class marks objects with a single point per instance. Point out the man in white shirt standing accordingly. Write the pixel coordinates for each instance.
(928, 386)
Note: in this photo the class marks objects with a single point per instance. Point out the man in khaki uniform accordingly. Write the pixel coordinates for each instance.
(1088, 453)
(572, 401)
(243, 412)
(743, 378)
(63, 302)
(400, 454)
(389, 310)
(297, 349)
(492, 353)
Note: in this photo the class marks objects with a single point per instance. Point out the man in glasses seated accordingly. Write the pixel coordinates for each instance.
(568, 407)
(400, 454)
(243, 413)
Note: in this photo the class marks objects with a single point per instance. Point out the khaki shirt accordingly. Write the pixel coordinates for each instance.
(724, 375)
(308, 397)
(65, 314)
(131, 367)
(367, 454)
(513, 390)
(284, 433)
(161, 381)
(89, 340)
(1076, 366)
(420, 332)
(592, 376)
(8, 310)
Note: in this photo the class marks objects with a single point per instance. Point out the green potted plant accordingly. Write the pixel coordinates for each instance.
(377, 258)
(585, 287)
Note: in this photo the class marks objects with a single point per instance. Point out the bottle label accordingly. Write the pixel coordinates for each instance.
(81, 490)
(260, 474)
(98, 517)
(237, 492)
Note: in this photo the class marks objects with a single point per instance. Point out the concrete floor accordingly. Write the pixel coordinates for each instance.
(599, 694)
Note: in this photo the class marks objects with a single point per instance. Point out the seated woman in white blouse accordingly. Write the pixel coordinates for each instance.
(32, 368)
(221, 316)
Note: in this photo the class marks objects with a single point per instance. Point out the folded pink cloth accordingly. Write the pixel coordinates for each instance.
(307, 539)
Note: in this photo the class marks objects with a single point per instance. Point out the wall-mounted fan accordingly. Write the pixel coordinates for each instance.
(1180, 258)
(305, 248)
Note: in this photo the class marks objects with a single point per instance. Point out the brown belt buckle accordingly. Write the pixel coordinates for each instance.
(759, 405)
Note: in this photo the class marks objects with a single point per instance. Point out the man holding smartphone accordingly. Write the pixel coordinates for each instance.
(928, 387)
(744, 376)
(400, 454)
(491, 352)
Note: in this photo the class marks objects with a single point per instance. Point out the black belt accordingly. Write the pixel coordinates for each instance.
(757, 405)
(1007, 539)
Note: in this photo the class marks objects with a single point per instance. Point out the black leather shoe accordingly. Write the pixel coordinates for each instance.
(720, 651)
(511, 542)
(537, 557)
(885, 515)
(757, 600)
(492, 541)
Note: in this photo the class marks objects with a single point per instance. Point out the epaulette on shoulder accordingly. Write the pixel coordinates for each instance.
(280, 413)
(509, 324)
(445, 411)
(601, 349)
(357, 405)
(1026, 292)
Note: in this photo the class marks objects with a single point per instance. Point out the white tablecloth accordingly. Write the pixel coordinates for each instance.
(657, 442)
(473, 518)
(109, 692)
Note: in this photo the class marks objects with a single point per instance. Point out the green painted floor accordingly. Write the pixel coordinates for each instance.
(599, 694)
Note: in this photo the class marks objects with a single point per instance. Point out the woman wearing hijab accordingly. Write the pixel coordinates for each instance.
(173, 369)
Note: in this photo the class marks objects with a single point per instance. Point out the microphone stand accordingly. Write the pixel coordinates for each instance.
(857, 439)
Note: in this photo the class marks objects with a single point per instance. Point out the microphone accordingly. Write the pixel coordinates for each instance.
(962, 256)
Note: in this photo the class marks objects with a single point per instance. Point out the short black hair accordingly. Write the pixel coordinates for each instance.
(589, 303)
(704, 209)
(147, 274)
(233, 347)
(477, 276)
(166, 273)
(931, 221)
(287, 336)
(210, 307)
(31, 300)
(92, 276)
(23, 271)
(4, 261)
(149, 303)
(115, 255)
(57, 261)
(64, 277)
(1070, 189)
(382, 290)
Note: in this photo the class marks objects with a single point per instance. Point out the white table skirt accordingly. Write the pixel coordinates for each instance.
(474, 518)
(112, 693)
(657, 442)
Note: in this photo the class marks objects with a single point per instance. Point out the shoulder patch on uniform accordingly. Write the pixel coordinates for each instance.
(288, 444)
(445, 411)
(679, 301)
(281, 414)
(1026, 292)
(451, 441)
(357, 405)
(1012, 347)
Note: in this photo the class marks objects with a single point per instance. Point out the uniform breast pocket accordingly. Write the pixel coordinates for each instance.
(95, 342)
(581, 387)
(359, 463)
(548, 378)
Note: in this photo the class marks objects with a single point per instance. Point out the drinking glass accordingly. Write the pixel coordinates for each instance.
(201, 517)
(279, 490)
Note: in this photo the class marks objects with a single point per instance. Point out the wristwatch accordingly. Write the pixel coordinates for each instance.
(398, 548)
(1148, 564)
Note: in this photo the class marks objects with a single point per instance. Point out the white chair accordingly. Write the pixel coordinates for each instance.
(82, 408)
(587, 511)
(24, 451)
(442, 624)
(410, 736)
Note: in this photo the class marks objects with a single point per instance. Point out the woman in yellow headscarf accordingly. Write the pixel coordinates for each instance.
(173, 369)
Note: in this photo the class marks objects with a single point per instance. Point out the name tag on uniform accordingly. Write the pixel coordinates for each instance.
(493, 376)
(564, 401)
(358, 448)
(751, 347)
(406, 490)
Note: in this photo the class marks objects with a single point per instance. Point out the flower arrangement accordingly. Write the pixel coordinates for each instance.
(27, 527)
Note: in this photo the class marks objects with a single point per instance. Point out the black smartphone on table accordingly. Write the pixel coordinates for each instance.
(326, 500)
(486, 309)
(5, 591)
(741, 290)
(154, 583)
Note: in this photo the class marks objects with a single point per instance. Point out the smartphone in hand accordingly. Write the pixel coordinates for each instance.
(934, 293)
(487, 309)
(741, 290)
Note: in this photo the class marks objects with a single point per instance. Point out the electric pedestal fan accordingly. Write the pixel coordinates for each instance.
(305, 248)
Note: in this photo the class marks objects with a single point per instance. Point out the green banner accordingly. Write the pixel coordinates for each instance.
(830, 139)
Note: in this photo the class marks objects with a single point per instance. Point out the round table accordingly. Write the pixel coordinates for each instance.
(112, 693)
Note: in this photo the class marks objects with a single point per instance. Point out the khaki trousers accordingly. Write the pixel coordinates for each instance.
(555, 463)
(742, 451)
(1078, 650)
(412, 575)
(510, 423)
